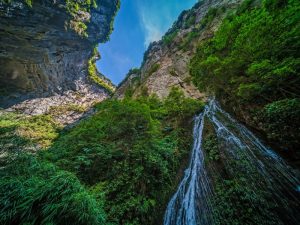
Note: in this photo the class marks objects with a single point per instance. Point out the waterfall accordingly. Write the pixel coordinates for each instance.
(192, 203)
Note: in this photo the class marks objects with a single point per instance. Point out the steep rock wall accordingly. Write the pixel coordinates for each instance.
(43, 53)
(166, 63)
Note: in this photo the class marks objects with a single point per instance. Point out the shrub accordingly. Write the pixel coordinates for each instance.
(154, 68)
(178, 106)
(34, 192)
(130, 149)
(281, 120)
(95, 77)
(17, 131)
(169, 37)
(245, 69)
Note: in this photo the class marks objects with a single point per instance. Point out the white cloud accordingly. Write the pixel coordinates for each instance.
(153, 31)
(157, 17)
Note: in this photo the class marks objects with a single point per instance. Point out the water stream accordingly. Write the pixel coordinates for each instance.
(192, 203)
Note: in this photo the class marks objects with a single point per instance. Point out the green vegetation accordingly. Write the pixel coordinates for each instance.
(211, 15)
(169, 37)
(133, 71)
(241, 194)
(75, 6)
(210, 145)
(111, 25)
(62, 109)
(185, 44)
(120, 164)
(95, 76)
(235, 202)
(154, 68)
(28, 2)
(35, 192)
(79, 27)
(253, 61)
(190, 21)
(17, 131)
(131, 161)
(278, 113)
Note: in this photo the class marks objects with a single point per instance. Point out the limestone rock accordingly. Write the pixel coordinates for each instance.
(172, 58)
(40, 55)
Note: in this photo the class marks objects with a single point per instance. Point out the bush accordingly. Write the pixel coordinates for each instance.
(154, 68)
(178, 106)
(97, 78)
(246, 56)
(281, 119)
(17, 131)
(169, 37)
(34, 192)
(247, 71)
(131, 150)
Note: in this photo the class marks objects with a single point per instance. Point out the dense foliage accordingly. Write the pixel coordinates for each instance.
(34, 192)
(130, 151)
(122, 166)
(252, 63)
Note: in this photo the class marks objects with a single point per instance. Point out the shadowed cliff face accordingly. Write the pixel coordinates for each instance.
(40, 53)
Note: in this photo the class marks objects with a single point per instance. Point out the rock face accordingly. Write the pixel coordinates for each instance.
(166, 63)
(41, 55)
(65, 108)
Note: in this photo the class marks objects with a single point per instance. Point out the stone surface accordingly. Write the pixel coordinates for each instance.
(39, 55)
(174, 61)
(65, 108)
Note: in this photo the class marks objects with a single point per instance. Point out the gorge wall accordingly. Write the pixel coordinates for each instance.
(45, 51)
(200, 55)
(124, 162)
(166, 62)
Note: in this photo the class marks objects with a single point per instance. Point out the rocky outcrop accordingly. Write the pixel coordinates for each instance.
(166, 63)
(64, 108)
(45, 48)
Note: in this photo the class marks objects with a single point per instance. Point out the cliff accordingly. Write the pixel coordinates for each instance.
(215, 49)
(45, 51)
(166, 62)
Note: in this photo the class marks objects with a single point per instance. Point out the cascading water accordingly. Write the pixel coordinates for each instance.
(192, 203)
(185, 207)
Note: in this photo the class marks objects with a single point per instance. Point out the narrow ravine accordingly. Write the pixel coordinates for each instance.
(194, 202)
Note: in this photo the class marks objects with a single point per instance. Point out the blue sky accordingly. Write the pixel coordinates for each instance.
(137, 24)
